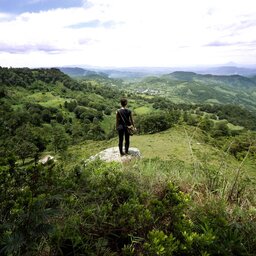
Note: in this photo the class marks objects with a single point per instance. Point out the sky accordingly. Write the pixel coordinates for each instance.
(127, 33)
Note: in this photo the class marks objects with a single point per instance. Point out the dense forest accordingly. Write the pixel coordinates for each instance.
(199, 204)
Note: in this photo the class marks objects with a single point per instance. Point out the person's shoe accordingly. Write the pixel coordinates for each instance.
(122, 154)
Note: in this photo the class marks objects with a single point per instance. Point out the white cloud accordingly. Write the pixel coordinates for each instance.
(144, 32)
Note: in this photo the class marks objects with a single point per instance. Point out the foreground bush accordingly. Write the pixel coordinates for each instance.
(108, 209)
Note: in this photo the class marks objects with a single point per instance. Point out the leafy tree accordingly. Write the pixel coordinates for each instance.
(206, 124)
(59, 139)
(26, 149)
(153, 123)
(46, 116)
(3, 92)
(220, 129)
(36, 119)
(107, 111)
(59, 117)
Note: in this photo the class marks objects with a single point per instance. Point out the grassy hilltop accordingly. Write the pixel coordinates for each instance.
(191, 193)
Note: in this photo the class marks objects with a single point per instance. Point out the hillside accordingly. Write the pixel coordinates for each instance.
(189, 87)
(231, 80)
(80, 72)
(179, 86)
(191, 193)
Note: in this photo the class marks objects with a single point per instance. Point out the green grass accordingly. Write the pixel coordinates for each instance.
(184, 144)
(181, 144)
(235, 127)
(143, 110)
(78, 153)
(46, 99)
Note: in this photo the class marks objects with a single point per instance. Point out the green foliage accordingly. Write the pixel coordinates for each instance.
(232, 231)
(199, 202)
(160, 244)
(26, 77)
(59, 140)
(70, 105)
(241, 144)
(233, 113)
(157, 122)
(221, 129)
(27, 208)
(105, 208)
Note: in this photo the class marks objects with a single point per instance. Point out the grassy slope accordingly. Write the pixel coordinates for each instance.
(181, 144)
(186, 145)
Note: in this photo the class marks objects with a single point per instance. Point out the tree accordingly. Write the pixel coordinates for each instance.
(59, 118)
(153, 123)
(46, 116)
(107, 111)
(221, 129)
(60, 140)
(206, 124)
(26, 149)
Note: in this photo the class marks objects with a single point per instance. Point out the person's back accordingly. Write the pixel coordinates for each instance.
(125, 115)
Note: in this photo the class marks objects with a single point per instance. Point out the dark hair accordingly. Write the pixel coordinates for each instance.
(123, 102)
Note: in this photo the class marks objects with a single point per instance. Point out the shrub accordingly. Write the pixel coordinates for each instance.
(153, 123)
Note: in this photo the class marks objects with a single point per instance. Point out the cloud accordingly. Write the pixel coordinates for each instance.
(86, 41)
(219, 44)
(128, 32)
(226, 44)
(5, 17)
(23, 49)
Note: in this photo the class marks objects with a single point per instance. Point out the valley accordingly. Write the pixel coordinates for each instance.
(191, 193)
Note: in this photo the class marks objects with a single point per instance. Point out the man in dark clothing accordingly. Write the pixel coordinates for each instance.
(123, 119)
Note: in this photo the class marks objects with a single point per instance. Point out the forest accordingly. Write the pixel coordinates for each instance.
(192, 193)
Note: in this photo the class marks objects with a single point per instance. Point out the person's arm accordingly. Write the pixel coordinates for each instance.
(116, 119)
(131, 120)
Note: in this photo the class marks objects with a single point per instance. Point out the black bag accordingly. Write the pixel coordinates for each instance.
(130, 129)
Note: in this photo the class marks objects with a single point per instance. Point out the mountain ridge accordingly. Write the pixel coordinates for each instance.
(233, 80)
(140, 72)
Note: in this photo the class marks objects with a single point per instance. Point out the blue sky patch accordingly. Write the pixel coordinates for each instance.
(20, 6)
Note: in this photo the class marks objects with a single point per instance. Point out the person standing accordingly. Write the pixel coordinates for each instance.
(123, 119)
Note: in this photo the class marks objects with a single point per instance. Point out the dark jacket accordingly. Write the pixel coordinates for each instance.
(123, 118)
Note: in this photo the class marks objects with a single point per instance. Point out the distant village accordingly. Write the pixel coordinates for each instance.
(147, 91)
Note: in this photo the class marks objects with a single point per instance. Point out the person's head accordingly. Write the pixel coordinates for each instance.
(123, 102)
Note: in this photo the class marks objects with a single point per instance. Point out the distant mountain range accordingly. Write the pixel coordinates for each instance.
(228, 70)
(229, 80)
(80, 72)
(140, 72)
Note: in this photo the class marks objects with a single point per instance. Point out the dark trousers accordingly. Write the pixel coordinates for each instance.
(123, 133)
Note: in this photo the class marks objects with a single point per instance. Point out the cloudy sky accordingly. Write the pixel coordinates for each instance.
(121, 33)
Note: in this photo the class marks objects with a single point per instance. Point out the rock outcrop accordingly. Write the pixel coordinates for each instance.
(45, 159)
(112, 154)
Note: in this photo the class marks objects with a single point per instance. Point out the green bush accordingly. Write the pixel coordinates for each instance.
(153, 123)
(112, 209)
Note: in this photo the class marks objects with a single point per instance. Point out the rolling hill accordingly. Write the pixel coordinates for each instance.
(190, 87)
